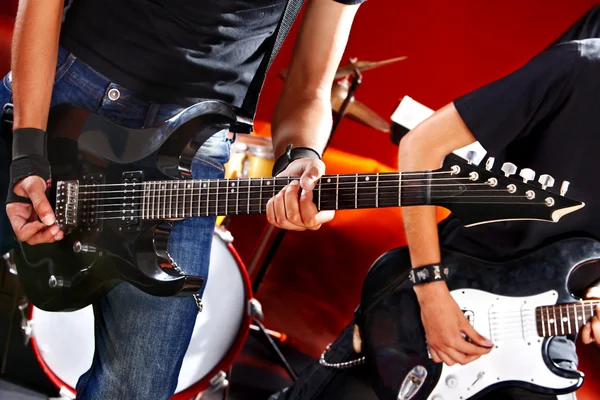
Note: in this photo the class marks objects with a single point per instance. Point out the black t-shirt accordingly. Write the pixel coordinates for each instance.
(174, 51)
(544, 116)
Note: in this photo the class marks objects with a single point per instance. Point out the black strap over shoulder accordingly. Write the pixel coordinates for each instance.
(292, 8)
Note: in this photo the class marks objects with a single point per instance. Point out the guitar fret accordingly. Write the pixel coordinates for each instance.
(207, 186)
(399, 190)
(217, 199)
(548, 320)
(260, 197)
(191, 187)
(153, 200)
(555, 324)
(237, 198)
(377, 190)
(248, 182)
(562, 322)
(183, 204)
(164, 195)
(356, 191)
(542, 321)
(568, 320)
(320, 185)
(337, 191)
(143, 198)
(226, 196)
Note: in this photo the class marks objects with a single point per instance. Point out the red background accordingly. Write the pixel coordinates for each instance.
(452, 47)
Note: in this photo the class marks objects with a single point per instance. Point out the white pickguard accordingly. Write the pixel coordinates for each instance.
(509, 322)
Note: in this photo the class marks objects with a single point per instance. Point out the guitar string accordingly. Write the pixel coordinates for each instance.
(212, 185)
(216, 208)
(196, 198)
(353, 176)
(152, 191)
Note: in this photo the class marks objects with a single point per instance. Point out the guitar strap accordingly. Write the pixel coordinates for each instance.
(273, 43)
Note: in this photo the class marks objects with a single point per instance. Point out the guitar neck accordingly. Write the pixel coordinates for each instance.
(195, 198)
(564, 319)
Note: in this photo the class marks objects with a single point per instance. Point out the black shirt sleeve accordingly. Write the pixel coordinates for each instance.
(350, 2)
(504, 110)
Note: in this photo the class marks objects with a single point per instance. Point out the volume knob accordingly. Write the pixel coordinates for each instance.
(451, 381)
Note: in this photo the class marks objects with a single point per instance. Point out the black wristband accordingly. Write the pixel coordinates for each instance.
(28, 141)
(29, 159)
(428, 273)
(292, 154)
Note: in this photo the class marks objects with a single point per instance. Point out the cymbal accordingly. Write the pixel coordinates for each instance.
(353, 64)
(356, 110)
(364, 66)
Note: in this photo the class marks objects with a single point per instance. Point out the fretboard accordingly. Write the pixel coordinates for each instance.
(564, 319)
(194, 198)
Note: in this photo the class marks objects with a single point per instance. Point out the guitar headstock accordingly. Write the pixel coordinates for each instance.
(479, 195)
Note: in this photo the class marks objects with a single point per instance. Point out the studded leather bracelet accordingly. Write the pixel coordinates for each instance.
(427, 274)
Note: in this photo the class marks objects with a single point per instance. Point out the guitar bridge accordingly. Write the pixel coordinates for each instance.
(67, 199)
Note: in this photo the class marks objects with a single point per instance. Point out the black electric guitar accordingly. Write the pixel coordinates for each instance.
(519, 305)
(117, 193)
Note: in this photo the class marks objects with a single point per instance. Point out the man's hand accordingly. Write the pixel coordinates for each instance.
(591, 330)
(293, 208)
(444, 322)
(24, 217)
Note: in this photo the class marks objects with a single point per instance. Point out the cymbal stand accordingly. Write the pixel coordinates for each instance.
(272, 237)
(355, 81)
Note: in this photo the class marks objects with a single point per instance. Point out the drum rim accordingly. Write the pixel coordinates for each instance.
(202, 384)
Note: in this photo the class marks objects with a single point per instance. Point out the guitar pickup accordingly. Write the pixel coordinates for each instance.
(131, 202)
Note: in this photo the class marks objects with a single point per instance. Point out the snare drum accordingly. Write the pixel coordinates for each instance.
(251, 157)
(64, 341)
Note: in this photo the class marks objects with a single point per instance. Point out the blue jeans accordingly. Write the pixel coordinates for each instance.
(140, 339)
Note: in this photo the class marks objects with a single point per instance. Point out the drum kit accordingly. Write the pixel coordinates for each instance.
(63, 342)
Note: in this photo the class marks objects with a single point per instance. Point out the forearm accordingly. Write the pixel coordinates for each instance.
(302, 122)
(34, 54)
(303, 113)
(425, 148)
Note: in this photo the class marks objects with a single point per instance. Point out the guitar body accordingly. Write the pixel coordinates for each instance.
(498, 298)
(99, 253)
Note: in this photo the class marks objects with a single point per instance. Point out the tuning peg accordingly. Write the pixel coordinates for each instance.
(509, 168)
(489, 163)
(546, 181)
(564, 187)
(527, 174)
(471, 156)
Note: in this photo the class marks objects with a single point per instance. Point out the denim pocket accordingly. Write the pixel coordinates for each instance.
(63, 65)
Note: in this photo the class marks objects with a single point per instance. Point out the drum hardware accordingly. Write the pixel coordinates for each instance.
(353, 64)
(355, 80)
(219, 381)
(343, 92)
(10, 262)
(276, 349)
(26, 325)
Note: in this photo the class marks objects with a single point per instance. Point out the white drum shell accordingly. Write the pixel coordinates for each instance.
(65, 340)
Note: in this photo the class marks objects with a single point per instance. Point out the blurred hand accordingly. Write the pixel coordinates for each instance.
(293, 208)
(444, 322)
(591, 330)
(24, 217)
